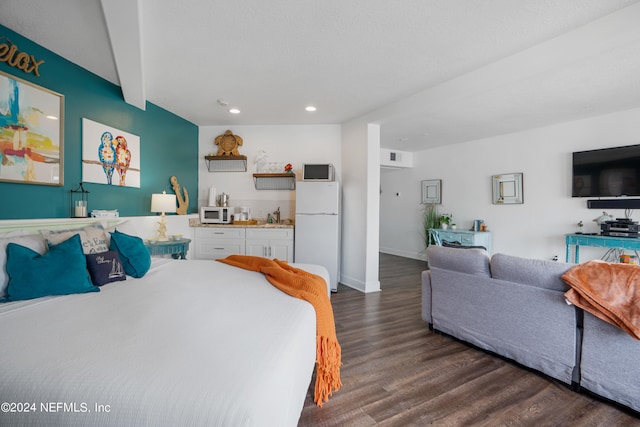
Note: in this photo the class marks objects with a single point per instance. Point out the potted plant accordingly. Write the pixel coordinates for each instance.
(445, 221)
(431, 221)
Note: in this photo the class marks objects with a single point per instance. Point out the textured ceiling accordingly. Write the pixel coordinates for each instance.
(431, 72)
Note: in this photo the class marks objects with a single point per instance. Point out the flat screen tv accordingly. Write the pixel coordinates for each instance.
(608, 172)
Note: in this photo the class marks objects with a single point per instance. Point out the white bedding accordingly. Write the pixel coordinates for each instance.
(190, 343)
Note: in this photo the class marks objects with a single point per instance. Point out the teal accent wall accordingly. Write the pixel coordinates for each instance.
(168, 143)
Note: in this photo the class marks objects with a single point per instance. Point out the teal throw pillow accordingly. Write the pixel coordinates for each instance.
(134, 255)
(62, 270)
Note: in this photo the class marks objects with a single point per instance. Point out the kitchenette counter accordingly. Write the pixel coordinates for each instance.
(261, 223)
(215, 241)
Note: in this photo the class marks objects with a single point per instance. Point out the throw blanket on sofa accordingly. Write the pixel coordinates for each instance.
(311, 288)
(608, 291)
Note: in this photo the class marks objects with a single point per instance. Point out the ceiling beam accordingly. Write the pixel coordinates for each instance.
(124, 25)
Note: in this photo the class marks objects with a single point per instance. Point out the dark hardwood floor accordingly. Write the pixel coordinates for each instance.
(398, 373)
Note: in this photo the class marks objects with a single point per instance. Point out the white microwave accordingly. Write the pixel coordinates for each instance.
(215, 215)
(318, 172)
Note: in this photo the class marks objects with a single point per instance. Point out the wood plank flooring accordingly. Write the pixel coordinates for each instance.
(398, 373)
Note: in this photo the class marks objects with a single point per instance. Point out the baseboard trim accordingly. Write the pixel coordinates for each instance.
(404, 254)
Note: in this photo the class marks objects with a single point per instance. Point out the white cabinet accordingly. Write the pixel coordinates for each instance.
(270, 243)
(218, 242)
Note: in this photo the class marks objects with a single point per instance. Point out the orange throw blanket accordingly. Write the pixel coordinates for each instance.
(608, 291)
(313, 289)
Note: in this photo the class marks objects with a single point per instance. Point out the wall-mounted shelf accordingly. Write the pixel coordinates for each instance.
(275, 181)
(226, 163)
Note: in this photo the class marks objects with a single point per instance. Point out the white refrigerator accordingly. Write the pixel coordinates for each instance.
(317, 228)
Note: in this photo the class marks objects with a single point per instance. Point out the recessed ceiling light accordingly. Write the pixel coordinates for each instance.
(234, 111)
(52, 117)
(310, 108)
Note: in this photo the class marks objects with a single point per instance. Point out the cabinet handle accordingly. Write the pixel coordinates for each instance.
(269, 251)
(219, 249)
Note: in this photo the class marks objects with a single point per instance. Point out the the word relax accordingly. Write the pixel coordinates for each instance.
(23, 61)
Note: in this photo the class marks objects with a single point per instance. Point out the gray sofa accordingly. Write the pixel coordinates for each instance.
(511, 306)
(610, 363)
(515, 307)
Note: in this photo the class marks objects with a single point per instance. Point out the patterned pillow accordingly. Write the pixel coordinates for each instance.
(105, 267)
(94, 238)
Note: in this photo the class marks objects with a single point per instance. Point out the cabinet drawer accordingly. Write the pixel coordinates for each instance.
(449, 236)
(467, 239)
(220, 233)
(270, 233)
(213, 249)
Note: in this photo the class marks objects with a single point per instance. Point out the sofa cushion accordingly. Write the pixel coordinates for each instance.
(533, 272)
(470, 261)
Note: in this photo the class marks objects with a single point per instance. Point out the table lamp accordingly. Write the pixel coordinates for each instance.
(163, 203)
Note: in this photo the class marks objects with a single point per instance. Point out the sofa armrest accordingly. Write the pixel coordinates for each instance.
(609, 364)
(426, 297)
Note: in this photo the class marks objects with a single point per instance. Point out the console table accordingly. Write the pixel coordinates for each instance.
(176, 248)
(464, 237)
(630, 243)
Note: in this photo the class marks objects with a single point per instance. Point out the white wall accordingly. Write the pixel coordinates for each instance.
(534, 229)
(360, 219)
(285, 144)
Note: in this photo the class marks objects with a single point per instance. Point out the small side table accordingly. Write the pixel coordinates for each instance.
(609, 242)
(176, 248)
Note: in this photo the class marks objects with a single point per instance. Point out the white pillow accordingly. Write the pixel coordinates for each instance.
(31, 241)
(126, 227)
(93, 237)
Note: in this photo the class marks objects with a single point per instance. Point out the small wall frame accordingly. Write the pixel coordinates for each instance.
(432, 191)
(507, 189)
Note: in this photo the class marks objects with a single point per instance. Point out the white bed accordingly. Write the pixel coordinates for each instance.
(190, 343)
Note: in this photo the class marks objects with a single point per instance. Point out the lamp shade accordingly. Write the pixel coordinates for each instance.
(163, 202)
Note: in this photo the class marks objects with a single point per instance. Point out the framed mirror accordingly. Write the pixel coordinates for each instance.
(507, 189)
(432, 191)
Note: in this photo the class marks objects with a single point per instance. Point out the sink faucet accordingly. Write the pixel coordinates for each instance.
(277, 214)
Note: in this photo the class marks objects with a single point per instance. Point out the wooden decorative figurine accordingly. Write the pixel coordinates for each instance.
(228, 144)
(183, 203)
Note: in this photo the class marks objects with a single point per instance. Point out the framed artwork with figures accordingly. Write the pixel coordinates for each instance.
(109, 156)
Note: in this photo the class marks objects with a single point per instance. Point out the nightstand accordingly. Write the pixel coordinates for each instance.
(176, 248)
